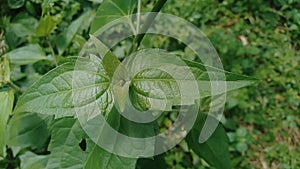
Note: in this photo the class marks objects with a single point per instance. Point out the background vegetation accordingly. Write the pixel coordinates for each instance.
(254, 37)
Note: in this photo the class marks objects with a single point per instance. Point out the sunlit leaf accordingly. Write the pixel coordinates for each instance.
(53, 93)
(6, 104)
(26, 55)
(111, 10)
(47, 24)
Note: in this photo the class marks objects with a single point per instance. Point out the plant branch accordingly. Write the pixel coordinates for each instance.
(149, 20)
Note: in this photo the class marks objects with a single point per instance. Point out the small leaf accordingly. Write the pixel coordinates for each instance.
(121, 91)
(6, 105)
(26, 55)
(215, 150)
(47, 25)
(109, 61)
(111, 10)
(64, 39)
(241, 147)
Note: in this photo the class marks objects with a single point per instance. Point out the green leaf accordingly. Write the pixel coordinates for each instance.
(53, 93)
(155, 70)
(46, 5)
(24, 128)
(30, 160)
(4, 71)
(14, 4)
(26, 55)
(157, 162)
(119, 143)
(206, 74)
(109, 61)
(6, 105)
(114, 69)
(23, 25)
(66, 151)
(216, 149)
(64, 39)
(111, 10)
(47, 25)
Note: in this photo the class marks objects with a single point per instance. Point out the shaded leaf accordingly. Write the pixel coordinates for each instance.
(67, 134)
(23, 25)
(157, 162)
(216, 149)
(28, 130)
(14, 4)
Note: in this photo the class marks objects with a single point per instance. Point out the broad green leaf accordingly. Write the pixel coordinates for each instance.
(64, 39)
(28, 130)
(157, 75)
(82, 79)
(4, 71)
(30, 160)
(47, 25)
(127, 145)
(215, 150)
(6, 105)
(26, 55)
(66, 152)
(111, 10)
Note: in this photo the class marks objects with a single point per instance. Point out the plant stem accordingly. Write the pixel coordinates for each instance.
(15, 87)
(138, 16)
(52, 51)
(149, 20)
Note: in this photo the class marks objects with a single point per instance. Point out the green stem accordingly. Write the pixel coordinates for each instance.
(149, 20)
(15, 87)
(52, 51)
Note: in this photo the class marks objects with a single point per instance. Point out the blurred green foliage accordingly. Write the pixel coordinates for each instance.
(261, 39)
(254, 37)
